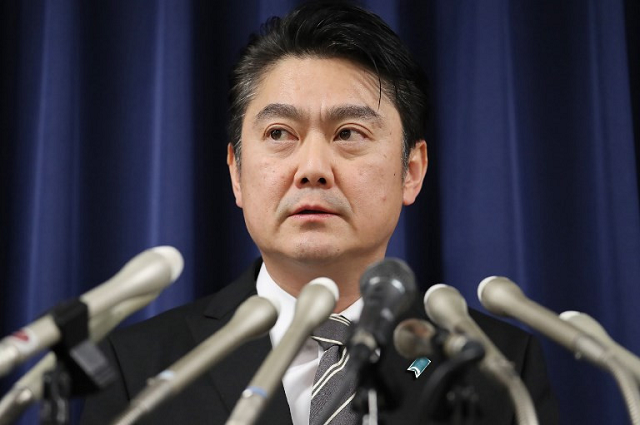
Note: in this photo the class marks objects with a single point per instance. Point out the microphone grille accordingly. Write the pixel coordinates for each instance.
(486, 281)
(274, 302)
(327, 283)
(389, 269)
(412, 338)
(569, 315)
(173, 258)
(444, 305)
(498, 293)
(432, 289)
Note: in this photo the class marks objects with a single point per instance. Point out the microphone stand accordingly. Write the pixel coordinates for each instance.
(81, 368)
(447, 394)
(374, 394)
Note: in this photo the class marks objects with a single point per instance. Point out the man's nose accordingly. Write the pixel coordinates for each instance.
(315, 166)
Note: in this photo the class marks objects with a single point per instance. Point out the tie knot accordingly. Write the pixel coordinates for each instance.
(333, 331)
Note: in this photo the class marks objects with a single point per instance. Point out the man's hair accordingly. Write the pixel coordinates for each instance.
(330, 29)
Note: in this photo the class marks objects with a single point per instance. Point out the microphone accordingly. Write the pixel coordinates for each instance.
(590, 326)
(387, 288)
(147, 273)
(414, 338)
(314, 305)
(446, 307)
(29, 389)
(252, 319)
(501, 296)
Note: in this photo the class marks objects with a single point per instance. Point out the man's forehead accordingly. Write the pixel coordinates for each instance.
(333, 88)
(332, 75)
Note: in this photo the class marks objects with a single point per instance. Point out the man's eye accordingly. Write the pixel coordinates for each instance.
(277, 134)
(280, 135)
(344, 134)
(350, 135)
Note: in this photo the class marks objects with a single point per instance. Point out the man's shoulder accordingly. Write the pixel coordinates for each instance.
(181, 321)
(511, 340)
(498, 326)
(165, 322)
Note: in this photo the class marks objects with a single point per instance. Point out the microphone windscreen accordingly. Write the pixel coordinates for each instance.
(173, 257)
(400, 278)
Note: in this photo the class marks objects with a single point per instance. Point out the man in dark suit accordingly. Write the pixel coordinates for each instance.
(327, 118)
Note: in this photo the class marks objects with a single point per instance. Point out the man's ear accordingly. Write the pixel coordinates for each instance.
(234, 172)
(416, 170)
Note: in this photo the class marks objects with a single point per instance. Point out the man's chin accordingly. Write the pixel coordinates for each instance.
(316, 256)
(314, 253)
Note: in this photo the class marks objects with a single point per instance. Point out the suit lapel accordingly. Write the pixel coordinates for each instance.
(231, 376)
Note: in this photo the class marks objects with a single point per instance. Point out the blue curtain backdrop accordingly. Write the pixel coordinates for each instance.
(113, 140)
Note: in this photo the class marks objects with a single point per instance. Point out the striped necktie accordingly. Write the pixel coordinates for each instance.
(331, 335)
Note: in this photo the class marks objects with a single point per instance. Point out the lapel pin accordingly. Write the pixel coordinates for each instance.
(419, 365)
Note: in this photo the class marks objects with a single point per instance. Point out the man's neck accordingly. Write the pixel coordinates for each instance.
(293, 275)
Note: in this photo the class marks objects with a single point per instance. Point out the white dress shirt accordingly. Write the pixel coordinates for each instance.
(298, 379)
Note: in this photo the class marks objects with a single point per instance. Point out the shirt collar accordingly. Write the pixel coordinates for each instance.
(267, 287)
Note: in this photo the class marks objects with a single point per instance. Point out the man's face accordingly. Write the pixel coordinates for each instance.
(321, 173)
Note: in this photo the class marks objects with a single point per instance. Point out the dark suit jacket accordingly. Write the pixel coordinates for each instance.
(145, 349)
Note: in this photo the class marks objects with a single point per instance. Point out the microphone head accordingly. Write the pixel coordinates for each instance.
(569, 315)
(274, 302)
(255, 316)
(588, 325)
(327, 283)
(496, 292)
(444, 305)
(413, 338)
(316, 302)
(387, 288)
(173, 257)
(390, 282)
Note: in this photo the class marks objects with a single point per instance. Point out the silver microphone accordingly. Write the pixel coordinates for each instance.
(590, 326)
(501, 296)
(415, 338)
(29, 389)
(446, 307)
(147, 273)
(314, 305)
(252, 319)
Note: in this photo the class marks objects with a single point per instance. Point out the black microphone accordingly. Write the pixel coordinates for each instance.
(387, 288)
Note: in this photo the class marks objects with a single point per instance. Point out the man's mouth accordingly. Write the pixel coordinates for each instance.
(304, 212)
(312, 210)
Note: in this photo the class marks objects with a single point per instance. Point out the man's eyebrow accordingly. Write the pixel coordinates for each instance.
(339, 113)
(279, 110)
